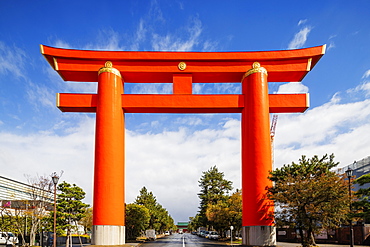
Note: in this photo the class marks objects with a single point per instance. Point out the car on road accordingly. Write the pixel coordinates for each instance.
(150, 234)
(8, 238)
(3, 238)
(12, 238)
(213, 235)
(167, 233)
(204, 234)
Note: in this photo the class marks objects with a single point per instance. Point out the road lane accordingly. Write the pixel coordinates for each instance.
(183, 240)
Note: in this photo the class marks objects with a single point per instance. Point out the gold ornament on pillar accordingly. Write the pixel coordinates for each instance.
(256, 67)
(108, 67)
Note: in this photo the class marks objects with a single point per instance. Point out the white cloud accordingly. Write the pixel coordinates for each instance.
(170, 42)
(300, 38)
(47, 152)
(155, 12)
(140, 35)
(62, 44)
(108, 40)
(292, 87)
(40, 96)
(301, 22)
(12, 60)
(363, 87)
(191, 120)
(334, 127)
(331, 45)
(331, 42)
(366, 74)
(197, 88)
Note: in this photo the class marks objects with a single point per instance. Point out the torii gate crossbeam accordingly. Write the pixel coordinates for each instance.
(182, 69)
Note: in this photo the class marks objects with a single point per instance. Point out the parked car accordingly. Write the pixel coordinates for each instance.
(150, 234)
(213, 235)
(8, 238)
(3, 238)
(12, 238)
(167, 233)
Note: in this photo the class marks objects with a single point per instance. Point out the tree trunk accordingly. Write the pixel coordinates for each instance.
(78, 233)
(302, 237)
(310, 236)
(312, 239)
(68, 234)
(33, 231)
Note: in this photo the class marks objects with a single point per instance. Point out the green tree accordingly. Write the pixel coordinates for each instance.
(6, 219)
(137, 220)
(160, 220)
(194, 223)
(164, 221)
(226, 213)
(15, 218)
(214, 189)
(70, 208)
(87, 220)
(148, 200)
(218, 215)
(235, 210)
(309, 196)
(362, 205)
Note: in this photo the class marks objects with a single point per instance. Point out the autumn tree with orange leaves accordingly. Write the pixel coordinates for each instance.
(309, 196)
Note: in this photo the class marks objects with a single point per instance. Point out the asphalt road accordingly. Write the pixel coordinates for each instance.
(183, 240)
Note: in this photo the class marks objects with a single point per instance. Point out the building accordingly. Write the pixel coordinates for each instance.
(359, 168)
(17, 196)
(183, 226)
(14, 190)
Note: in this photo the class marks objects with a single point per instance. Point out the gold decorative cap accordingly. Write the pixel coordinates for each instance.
(181, 66)
(108, 67)
(256, 67)
(108, 64)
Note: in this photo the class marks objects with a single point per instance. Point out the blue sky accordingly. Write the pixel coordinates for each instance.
(167, 153)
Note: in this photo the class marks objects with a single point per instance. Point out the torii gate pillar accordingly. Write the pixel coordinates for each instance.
(109, 178)
(258, 228)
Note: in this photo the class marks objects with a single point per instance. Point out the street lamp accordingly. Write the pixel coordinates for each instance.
(349, 174)
(231, 235)
(55, 179)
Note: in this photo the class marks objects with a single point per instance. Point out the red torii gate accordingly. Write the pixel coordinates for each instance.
(111, 68)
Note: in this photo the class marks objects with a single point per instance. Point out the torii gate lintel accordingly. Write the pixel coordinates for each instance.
(162, 103)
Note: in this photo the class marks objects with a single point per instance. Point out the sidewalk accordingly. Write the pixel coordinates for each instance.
(279, 244)
(285, 244)
(125, 245)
